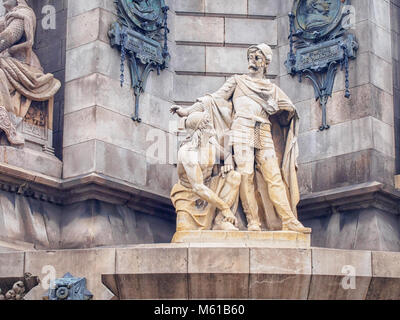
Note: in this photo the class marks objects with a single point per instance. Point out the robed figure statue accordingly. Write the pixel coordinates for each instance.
(21, 75)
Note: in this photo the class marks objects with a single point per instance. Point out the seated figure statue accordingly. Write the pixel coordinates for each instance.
(200, 193)
(21, 76)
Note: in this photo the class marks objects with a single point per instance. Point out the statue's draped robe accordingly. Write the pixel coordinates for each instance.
(285, 124)
(20, 71)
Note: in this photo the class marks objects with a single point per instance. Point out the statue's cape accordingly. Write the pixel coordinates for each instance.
(285, 128)
(26, 14)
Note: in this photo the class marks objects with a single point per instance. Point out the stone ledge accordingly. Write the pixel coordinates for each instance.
(350, 198)
(266, 239)
(173, 271)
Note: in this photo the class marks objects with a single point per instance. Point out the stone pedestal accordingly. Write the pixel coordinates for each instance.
(267, 239)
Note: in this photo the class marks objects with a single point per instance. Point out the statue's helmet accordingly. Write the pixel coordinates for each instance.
(265, 49)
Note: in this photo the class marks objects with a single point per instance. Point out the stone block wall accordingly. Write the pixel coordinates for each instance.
(359, 146)
(99, 134)
(212, 38)
(395, 29)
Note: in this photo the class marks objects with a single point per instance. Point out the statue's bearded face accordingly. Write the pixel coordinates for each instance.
(257, 61)
(9, 4)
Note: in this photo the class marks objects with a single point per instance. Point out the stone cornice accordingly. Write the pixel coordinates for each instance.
(86, 187)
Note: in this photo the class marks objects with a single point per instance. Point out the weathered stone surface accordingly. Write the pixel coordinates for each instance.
(352, 168)
(12, 264)
(242, 31)
(359, 135)
(31, 160)
(220, 6)
(274, 239)
(385, 284)
(189, 88)
(190, 59)
(218, 273)
(88, 21)
(263, 7)
(226, 60)
(79, 7)
(189, 5)
(329, 272)
(94, 57)
(152, 272)
(279, 273)
(78, 263)
(29, 220)
(200, 29)
(79, 159)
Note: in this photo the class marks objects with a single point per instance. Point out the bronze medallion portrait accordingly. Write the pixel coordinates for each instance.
(146, 14)
(317, 18)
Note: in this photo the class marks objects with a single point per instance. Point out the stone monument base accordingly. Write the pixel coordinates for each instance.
(269, 239)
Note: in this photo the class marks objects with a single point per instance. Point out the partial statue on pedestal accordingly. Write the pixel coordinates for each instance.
(21, 76)
(262, 124)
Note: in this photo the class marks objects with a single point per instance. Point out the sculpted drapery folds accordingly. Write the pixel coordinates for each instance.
(21, 75)
(262, 124)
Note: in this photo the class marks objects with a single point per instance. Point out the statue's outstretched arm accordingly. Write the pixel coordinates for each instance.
(12, 34)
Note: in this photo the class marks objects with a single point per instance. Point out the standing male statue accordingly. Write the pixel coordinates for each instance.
(21, 76)
(263, 125)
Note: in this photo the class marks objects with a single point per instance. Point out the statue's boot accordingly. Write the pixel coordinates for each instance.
(295, 225)
(224, 226)
(249, 202)
(9, 128)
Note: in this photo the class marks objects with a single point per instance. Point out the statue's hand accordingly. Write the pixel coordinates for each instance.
(229, 217)
(226, 169)
(179, 111)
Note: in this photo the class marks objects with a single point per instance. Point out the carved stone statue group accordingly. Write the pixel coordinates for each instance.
(241, 146)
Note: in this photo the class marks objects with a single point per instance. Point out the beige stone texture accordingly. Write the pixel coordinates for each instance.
(12, 264)
(188, 88)
(190, 59)
(199, 29)
(146, 272)
(360, 134)
(279, 273)
(385, 284)
(263, 7)
(218, 273)
(243, 31)
(273, 239)
(220, 6)
(189, 5)
(91, 264)
(329, 273)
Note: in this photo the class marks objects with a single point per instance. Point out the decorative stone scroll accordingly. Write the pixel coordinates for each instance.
(322, 44)
(139, 33)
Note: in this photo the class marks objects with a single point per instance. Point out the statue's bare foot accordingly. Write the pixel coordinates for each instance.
(295, 225)
(253, 227)
(225, 226)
